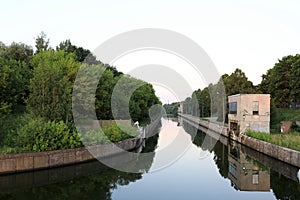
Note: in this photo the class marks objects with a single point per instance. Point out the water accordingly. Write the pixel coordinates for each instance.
(225, 171)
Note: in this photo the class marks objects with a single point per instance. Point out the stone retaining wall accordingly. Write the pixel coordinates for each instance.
(286, 155)
(10, 163)
(281, 153)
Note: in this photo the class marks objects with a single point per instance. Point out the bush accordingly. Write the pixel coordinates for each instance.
(295, 127)
(93, 137)
(116, 133)
(39, 135)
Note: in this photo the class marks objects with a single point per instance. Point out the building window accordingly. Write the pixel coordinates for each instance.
(233, 108)
(255, 108)
(255, 175)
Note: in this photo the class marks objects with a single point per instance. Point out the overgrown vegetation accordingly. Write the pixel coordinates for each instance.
(36, 135)
(113, 133)
(41, 83)
(289, 140)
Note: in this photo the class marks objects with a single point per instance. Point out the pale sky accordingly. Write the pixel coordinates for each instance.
(251, 35)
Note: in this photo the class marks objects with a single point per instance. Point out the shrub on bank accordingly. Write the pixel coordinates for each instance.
(36, 135)
(40, 135)
(111, 133)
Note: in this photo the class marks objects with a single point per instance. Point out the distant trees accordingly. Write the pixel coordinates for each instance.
(282, 82)
(171, 109)
(213, 99)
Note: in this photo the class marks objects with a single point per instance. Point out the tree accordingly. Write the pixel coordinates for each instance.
(51, 85)
(103, 94)
(172, 108)
(19, 52)
(41, 43)
(237, 83)
(11, 85)
(19, 55)
(282, 81)
(80, 53)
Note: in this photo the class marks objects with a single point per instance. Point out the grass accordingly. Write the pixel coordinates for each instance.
(289, 140)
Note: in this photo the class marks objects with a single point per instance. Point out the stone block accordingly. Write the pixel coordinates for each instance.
(69, 156)
(56, 158)
(40, 160)
(294, 158)
(7, 165)
(284, 155)
(24, 162)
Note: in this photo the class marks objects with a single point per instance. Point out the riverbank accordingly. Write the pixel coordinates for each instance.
(20, 162)
(286, 155)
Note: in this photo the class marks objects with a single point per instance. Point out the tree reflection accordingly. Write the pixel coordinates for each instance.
(91, 180)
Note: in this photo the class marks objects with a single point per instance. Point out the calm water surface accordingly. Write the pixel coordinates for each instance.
(226, 171)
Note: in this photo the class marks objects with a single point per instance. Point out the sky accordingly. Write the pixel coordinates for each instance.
(250, 35)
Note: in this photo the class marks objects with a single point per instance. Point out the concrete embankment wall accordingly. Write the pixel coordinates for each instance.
(10, 163)
(286, 155)
(289, 156)
(285, 169)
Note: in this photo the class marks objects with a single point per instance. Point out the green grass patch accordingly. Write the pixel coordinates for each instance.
(289, 140)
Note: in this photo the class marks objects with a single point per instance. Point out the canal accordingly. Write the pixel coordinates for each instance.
(208, 168)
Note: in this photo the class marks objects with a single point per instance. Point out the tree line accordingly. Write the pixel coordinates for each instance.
(38, 85)
(281, 82)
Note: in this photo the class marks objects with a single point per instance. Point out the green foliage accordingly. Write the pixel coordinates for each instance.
(51, 85)
(12, 85)
(295, 127)
(41, 43)
(212, 99)
(204, 101)
(40, 135)
(103, 94)
(119, 132)
(141, 101)
(289, 140)
(93, 137)
(281, 114)
(282, 81)
(80, 53)
(238, 83)
(17, 51)
(44, 82)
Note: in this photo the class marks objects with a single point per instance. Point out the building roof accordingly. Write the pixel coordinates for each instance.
(249, 95)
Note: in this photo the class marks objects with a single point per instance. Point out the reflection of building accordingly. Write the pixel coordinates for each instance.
(179, 120)
(244, 174)
(249, 112)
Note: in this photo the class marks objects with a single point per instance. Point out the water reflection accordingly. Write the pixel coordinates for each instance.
(246, 174)
(91, 180)
(249, 170)
(230, 171)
